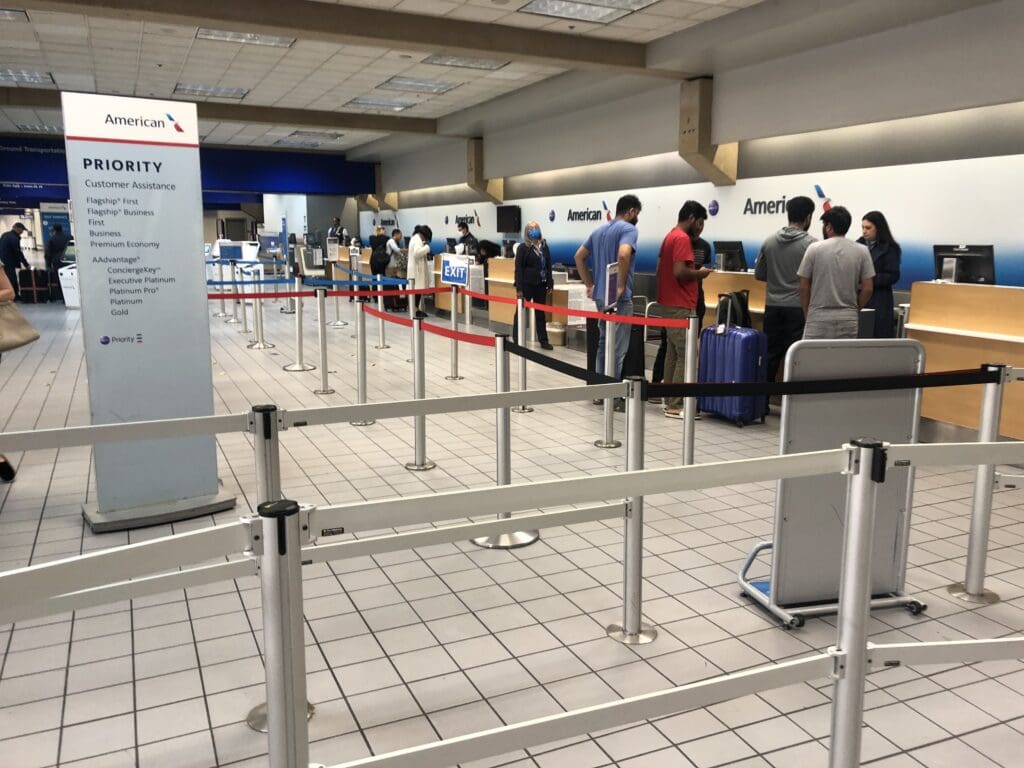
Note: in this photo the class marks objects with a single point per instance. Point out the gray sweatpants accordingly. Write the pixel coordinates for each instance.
(831, 324)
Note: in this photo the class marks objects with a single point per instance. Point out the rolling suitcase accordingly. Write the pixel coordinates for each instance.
(34, 286)
(732, 354)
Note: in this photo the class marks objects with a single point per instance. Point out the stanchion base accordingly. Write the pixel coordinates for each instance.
(507, 540)
(412, 466)
(337, 324)
(286, 311)
(365, 423)
(323, 391)
(607, 443)
(646, 634)
(382, 346)
(292, 367)
(221, 314)
(959, 591)
(259, 345)
(522, 409)
(454, 378)
(233, 320)
(257, 717)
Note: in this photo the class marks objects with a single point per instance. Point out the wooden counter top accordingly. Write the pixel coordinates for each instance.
(727, 282)
(965, 326)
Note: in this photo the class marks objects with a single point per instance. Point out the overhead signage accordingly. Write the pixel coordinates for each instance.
(455, 269)
(143, 294)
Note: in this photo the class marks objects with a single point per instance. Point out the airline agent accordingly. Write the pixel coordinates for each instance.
(533, 279)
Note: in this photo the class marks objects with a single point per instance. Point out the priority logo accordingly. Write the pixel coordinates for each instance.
(106, 341)
(713, 208)
(551, 215)
(826, 202)
(174, 122)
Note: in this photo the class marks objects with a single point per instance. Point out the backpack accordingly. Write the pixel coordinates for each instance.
(734, 308)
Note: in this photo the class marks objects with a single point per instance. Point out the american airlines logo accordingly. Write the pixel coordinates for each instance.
(145, 122)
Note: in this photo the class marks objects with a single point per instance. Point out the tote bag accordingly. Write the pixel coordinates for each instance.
(15, 330)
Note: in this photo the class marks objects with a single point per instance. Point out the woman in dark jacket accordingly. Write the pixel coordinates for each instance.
(533, 278)
(885, 254)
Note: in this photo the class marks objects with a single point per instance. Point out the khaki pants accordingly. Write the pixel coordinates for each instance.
(675, 354)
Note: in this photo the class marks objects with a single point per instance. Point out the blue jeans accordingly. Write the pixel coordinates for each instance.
(622, 307)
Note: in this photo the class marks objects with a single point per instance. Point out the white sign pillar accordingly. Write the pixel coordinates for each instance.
(133, 171)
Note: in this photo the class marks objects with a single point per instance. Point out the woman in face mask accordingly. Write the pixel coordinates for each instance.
(533, 278)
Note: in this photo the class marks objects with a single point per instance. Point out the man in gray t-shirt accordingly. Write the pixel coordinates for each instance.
(836, 280)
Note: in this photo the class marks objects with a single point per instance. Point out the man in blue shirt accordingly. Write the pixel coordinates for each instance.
(614, 242)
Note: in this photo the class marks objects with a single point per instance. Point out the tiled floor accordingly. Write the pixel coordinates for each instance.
(412, 646)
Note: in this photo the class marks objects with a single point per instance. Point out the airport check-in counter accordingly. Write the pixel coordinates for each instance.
(727, 282)
(965, 326)
(501, 282)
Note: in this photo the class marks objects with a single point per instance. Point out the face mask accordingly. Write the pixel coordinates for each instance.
(534, 234)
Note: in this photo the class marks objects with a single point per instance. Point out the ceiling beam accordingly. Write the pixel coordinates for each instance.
(38, 98)
(348, 25)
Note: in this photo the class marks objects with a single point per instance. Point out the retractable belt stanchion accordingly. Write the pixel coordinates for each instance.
(521, 335)
(609, 440)
(361, 366)
(220, 287)
(454, 345)
(300, 364)
(420, 461)
(867, 471)
(234, 289)
(286, 664)
(690, 403)
(972, 589)
(503, 430)
(412, 315)
(338, 322)
(245, 313)
(633, 631)
(289, 273)
(260, 341)
(321, 327)
(381, 343)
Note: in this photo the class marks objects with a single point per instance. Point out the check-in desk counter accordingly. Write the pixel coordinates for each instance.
(728, 282)
(965, 326)
(501, 276)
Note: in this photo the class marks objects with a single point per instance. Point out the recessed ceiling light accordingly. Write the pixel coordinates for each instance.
(34, 128)
(316, 135)
(10, 14)
(398, 83)
(30, 76)
(569, 9)
(392, 104)
(296, 143)
(252, 38)
(444, 60)
(214, 91)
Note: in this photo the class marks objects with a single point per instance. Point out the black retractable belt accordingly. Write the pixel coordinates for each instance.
(558, 365)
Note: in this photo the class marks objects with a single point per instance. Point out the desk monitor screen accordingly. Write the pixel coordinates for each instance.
(729, 256)
(449, 245)
(270, 243)
(231, 251)
(965, 263)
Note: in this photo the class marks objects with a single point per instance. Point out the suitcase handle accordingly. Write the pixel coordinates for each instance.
(722, 328)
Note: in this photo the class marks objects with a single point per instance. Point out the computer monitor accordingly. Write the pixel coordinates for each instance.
(270, 243)
(965, 263)
(231, 251)
(449, 245)
(729, 256)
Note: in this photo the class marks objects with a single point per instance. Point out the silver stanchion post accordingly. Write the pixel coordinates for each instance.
(420, 461)
(521, 336)
(268, 491)
(867, 471)
(321, 325)
(690, 403)
(361, 365)
(234, 289)
(454, 345)
(289, 273)
(972, 588)
(220, 289)
(467, 308)
(412, 314)
(299, 364)
(338, 322)
(609, 440)
(503, 430)
(245, 312)
(633, 631)
(381, 343)
(257, 312)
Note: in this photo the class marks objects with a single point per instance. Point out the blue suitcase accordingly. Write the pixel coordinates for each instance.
(736, 355)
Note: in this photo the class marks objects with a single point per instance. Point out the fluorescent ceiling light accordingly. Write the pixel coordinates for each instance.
(370, 101)
(30, 76)
(252, 38)
(10, 14)
(399, 83)
(626, 5)
(444, 60)
(296, 143)
(315, 135)
(212, 91)
(569, 9)
(40, 128)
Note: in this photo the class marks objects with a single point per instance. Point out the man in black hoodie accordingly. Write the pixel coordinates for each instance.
(776, 265)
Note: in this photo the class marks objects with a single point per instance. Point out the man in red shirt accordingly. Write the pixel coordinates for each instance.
(678, 283)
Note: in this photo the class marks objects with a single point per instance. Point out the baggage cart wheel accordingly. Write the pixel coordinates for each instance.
(916, 607)
(795, 623)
